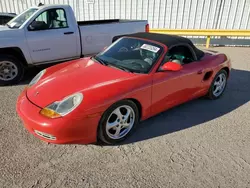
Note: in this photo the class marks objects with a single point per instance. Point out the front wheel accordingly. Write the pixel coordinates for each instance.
(218, 85)
(118, 122)
(11, 70)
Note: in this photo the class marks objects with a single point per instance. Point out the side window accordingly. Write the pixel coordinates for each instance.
(61, 18)
(179, 54)
(50, 19)
(57, 19)
(43, 17)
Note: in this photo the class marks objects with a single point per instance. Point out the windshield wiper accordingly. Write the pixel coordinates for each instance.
(99, 60)
(120, 67)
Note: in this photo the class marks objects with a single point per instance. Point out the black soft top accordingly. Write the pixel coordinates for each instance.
(168, 40)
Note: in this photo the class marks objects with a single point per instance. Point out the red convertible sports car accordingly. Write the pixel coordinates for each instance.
(105, 96)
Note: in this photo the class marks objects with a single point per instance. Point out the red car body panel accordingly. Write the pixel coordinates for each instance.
(80, 76)
(102, 86)
(67, 129)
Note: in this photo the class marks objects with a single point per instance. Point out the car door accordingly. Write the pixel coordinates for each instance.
(54, 40)
(171, 88)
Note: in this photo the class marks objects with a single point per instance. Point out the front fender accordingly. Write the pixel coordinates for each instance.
(15, 38)
(98, 100)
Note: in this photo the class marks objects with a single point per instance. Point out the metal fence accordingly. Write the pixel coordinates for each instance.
(171, 14)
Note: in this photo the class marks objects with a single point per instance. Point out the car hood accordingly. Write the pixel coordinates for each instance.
(77, 76)
(3, 28)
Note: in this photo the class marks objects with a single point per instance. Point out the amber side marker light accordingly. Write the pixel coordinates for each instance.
(147, 28)
(49, 113)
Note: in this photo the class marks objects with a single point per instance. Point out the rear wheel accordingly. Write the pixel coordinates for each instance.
(218, 85)
(118, 122)
(11, 70)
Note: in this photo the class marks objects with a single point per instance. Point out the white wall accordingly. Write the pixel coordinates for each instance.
(186, 14)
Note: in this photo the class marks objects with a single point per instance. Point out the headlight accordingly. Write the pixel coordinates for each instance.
(63, 107)
(37, 77)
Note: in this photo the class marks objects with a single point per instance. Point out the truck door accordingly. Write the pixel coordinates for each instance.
(50, 37)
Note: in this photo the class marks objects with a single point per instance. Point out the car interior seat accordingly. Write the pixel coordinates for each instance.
(54, 22)
(177, 61)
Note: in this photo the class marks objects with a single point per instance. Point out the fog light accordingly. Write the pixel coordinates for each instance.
(45, 135)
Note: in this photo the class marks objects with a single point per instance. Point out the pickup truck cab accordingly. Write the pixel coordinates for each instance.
(49, 34)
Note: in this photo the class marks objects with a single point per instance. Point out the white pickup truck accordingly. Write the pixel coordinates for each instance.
(50, 33)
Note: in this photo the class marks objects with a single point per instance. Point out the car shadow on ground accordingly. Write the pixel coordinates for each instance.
(29, 74)
(197, 111)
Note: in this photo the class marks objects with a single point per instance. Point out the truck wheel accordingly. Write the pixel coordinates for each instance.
(11, 70)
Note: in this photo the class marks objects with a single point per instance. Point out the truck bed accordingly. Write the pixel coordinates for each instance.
(97, 34)
(95, 22)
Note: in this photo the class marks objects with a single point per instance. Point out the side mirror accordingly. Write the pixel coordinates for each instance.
(37, 25)
(170, 66)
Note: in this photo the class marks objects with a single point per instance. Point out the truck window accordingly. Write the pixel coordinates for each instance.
(20, 19)
(42, 17)
(53, 19)
(62, 17)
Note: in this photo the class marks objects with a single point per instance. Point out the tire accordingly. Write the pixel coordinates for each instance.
(15, 68)
(109, 116)
(211, 93)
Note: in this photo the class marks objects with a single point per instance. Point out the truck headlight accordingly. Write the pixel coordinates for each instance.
(63, 107)
(37, 77)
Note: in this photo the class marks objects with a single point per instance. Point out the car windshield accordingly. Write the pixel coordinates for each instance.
(131, 54)
(20, 19)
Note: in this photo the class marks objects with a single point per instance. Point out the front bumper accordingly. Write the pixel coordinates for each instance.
(71, 129)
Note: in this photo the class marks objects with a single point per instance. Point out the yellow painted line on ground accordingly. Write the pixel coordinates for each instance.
(203, 32)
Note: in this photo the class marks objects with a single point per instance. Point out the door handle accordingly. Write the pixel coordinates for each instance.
(200, 72)
(69, 33)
